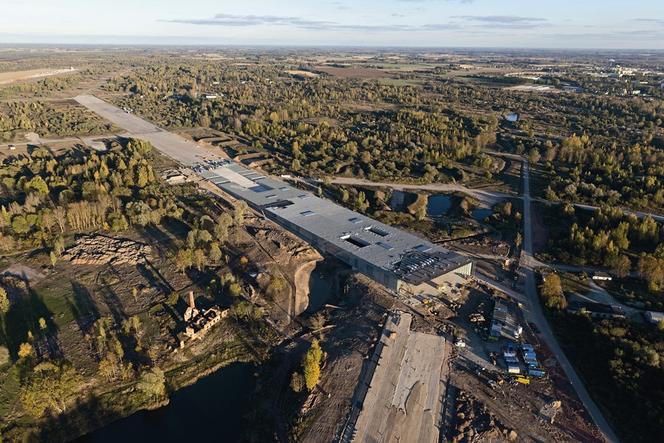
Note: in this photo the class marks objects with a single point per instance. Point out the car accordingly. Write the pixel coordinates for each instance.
(534, 327)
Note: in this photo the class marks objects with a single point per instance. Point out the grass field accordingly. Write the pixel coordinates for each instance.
(10, 77)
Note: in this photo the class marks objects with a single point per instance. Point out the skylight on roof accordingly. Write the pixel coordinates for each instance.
(385, 246)
(307, 213)
(422, 248)
(379, 232)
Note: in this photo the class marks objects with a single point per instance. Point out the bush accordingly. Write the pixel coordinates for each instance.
(4, 355)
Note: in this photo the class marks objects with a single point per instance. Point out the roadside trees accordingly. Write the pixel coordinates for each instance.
(552, 292)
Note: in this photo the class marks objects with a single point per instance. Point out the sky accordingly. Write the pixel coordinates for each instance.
(610, 24)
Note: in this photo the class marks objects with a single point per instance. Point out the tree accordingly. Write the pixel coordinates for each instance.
(4, 302)
(276, 286)
(224, 221)
(317, 322)
(25, 350)
(215, 253)
(152, 383)
(534, 155)
(621, 265)
(239, 212)
(20, 225)
(141, 214)
(37, 185)
(184, 259)
(652, 270)
(199, 259)
(552, 292)
(311, 365)
(552, 286)
(60, 216)
(49, 388)
(297, 382)
(53, 258)
(4, 358)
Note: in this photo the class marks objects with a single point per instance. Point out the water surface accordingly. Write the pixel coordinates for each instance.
(211, 410)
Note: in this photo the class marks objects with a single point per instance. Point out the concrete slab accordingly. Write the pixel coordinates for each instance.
(404, 400)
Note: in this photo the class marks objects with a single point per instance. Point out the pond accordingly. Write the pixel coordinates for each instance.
(212, 409)
(398, 201)
(480, 214)
(438, 205)
(320, 286)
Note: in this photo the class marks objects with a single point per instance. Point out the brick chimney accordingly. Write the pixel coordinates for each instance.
(192, 304)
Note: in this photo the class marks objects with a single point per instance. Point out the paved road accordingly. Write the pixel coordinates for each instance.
(184, 151)
(534, 313)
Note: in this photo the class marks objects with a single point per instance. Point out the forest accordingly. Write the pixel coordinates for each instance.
(323, 125)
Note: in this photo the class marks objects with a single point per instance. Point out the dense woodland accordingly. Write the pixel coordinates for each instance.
(610, 238)
(320, 125)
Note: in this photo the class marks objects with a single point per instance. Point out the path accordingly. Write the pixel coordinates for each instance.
(485, 196)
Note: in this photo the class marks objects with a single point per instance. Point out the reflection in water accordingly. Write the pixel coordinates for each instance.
(210, 410)
(319, 287)
(438, 205)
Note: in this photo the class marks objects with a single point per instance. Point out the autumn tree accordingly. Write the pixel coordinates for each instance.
(184, 259)
(552, 292)
(50, 387)
(311, 365)
(4, 302)
(621, 265)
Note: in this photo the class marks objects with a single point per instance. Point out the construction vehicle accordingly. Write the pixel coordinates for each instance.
(522, 380)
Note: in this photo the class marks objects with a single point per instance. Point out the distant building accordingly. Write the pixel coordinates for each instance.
(602, 276)
(512, 117)
(174, 177)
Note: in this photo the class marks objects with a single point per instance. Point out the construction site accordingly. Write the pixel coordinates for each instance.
(402, 262)
(424, 372)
